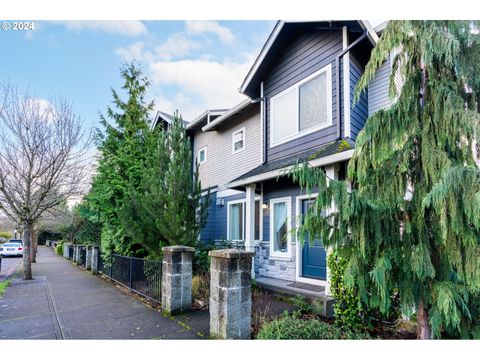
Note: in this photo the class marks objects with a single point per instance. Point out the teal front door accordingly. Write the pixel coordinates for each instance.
(314, 257)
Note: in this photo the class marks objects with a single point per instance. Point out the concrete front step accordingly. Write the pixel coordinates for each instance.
(296, 288)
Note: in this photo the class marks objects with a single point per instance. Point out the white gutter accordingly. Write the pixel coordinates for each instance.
(226, 115)
(372, 34)
(327, 160)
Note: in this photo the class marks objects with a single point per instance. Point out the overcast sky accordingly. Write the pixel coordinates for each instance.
(192, 65)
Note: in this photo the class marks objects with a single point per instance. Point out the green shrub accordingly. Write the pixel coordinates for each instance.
(303, 306)
(201, 288)
(59, 248)
(348, 308)
(6, 235)
(293, 328)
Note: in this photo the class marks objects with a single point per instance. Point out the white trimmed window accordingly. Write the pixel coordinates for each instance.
(202, 155)
(238, 141)
(280, 227)
(302, 108)
(236, 214)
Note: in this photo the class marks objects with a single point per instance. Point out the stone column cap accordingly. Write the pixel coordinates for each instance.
(231, 254)
(178, 248)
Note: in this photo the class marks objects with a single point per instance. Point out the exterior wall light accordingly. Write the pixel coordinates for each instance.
(265, 205)
(220, 201)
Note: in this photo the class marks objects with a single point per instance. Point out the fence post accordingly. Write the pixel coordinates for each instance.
(230, 293)
(130, 273)
(94, 258)
(88, 257)
(75, 253)
(177, 278)
(111, 266)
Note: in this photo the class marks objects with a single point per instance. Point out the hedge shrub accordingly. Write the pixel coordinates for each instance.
(348, 308)
(292, 328)
(59, 248)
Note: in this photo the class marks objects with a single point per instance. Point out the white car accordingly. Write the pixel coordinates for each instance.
(11, 249)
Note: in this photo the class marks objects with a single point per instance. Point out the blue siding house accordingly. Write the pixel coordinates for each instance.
(299, 106)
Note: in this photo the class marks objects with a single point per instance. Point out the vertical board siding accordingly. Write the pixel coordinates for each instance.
(222, 166)
(308, 53)
(359, 111)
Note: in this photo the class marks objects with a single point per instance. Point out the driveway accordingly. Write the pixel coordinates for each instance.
(66, 302)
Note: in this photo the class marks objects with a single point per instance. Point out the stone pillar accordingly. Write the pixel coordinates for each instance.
(230, 294)
(94, 258)
(75, 253)
(177, 278)
(88, 257)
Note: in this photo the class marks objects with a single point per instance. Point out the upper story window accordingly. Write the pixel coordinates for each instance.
(302, 108)
(238, 141)
(202, 155)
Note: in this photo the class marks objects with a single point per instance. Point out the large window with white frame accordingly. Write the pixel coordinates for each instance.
(303, 108)
(280, 226)
(236, 215)
(238, 141)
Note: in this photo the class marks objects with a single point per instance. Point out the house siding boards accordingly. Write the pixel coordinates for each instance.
(307, 54)
(222, 166)
(359, 111)
(378, 97)
(215, 227)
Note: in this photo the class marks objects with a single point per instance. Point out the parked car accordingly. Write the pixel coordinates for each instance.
(11, 248)
(16, 241)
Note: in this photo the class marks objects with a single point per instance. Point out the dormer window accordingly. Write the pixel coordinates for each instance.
(202, 155)
(303, 108)
(238, 141)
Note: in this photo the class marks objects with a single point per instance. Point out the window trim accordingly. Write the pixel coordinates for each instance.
(296, 87)
(199, 151)
(242, 130)
(278, 254)
(260, 219)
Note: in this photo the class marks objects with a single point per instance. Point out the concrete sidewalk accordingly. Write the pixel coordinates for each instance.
(66, 302)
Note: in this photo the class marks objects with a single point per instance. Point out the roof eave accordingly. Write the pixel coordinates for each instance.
(364, 24)
(218, 121)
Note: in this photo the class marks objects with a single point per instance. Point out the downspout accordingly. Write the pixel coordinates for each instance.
(337, 75)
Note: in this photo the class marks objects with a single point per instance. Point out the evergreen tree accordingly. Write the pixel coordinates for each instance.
(411, 223)
(122, 148)
(168, 208)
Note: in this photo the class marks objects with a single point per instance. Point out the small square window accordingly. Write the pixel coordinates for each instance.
(202, 155)
(238, 141)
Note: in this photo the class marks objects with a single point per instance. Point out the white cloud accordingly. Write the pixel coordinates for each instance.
(210, 84)
(176, 46)
(125, 28)
(207, 26)
(132, 52)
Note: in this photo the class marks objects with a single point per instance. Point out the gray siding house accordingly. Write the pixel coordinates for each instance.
(299, 106)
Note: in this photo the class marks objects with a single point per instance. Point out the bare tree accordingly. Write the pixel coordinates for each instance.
(43, 160)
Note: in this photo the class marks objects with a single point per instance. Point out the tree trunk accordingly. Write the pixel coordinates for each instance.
(423, 326)
(33, 252)
(27, 266)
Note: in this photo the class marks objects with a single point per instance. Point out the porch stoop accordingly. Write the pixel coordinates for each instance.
(297, 288)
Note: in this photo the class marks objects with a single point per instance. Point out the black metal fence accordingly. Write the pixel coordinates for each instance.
(139, 275)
